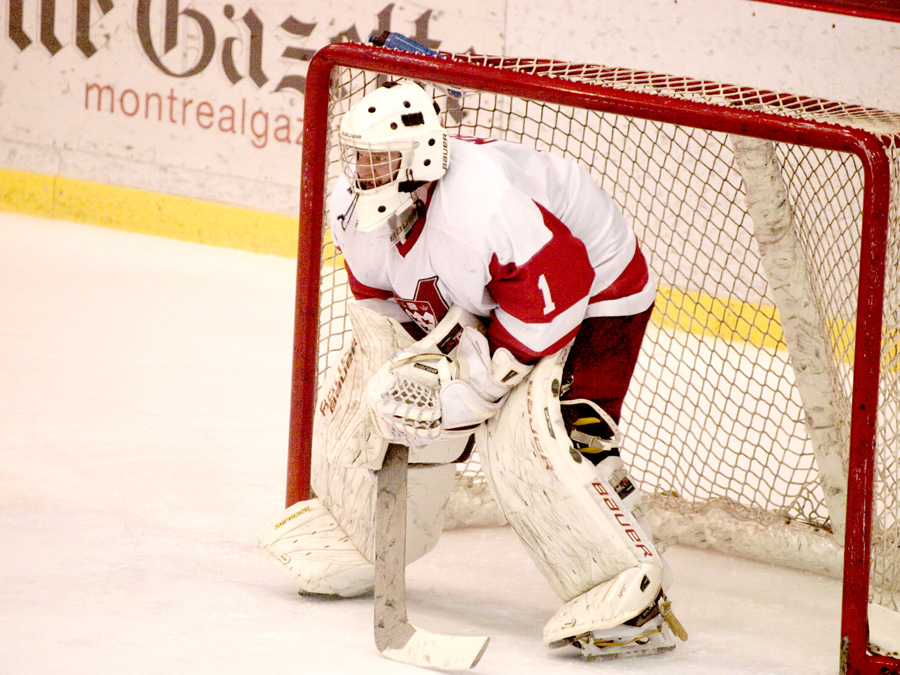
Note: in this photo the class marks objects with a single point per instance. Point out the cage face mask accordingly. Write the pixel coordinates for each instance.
(392, 142)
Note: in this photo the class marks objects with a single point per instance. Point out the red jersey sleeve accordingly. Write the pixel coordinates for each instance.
(543, 299)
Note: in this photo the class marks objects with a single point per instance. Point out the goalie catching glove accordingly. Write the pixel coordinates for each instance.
(443, 386)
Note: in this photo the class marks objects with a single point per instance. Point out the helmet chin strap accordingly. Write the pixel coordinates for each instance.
(344, 218)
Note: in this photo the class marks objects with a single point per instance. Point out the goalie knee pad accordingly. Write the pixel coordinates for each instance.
(578, 522)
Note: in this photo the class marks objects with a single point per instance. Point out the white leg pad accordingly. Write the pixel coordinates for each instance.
(570, 520)
(306, 544)
(576, 522)
(344, 432)
(327, 544)
(349, 494)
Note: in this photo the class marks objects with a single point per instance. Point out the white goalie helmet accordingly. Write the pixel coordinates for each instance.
(392, 142)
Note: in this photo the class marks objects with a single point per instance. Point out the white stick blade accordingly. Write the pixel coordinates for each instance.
(434, 650)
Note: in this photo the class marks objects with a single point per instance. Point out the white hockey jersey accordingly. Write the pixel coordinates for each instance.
(521, 237)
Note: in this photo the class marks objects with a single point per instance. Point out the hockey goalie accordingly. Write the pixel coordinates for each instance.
(501, 299)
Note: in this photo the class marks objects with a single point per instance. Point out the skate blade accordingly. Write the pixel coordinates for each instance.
(656, 642)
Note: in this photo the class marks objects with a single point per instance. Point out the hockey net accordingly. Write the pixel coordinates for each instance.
(741, 412)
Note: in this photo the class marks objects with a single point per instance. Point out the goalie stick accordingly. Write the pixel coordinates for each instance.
(395, 637)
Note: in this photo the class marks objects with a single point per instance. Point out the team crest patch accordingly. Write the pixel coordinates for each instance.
(428, 307)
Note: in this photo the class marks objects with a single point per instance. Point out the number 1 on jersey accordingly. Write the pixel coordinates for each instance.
(549, 305)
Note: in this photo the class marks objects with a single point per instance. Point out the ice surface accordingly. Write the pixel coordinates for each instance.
(144, 389)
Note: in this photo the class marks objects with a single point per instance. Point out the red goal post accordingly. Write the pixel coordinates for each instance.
(853, 441)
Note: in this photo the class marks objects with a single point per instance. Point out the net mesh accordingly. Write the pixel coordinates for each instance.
(714, 423)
